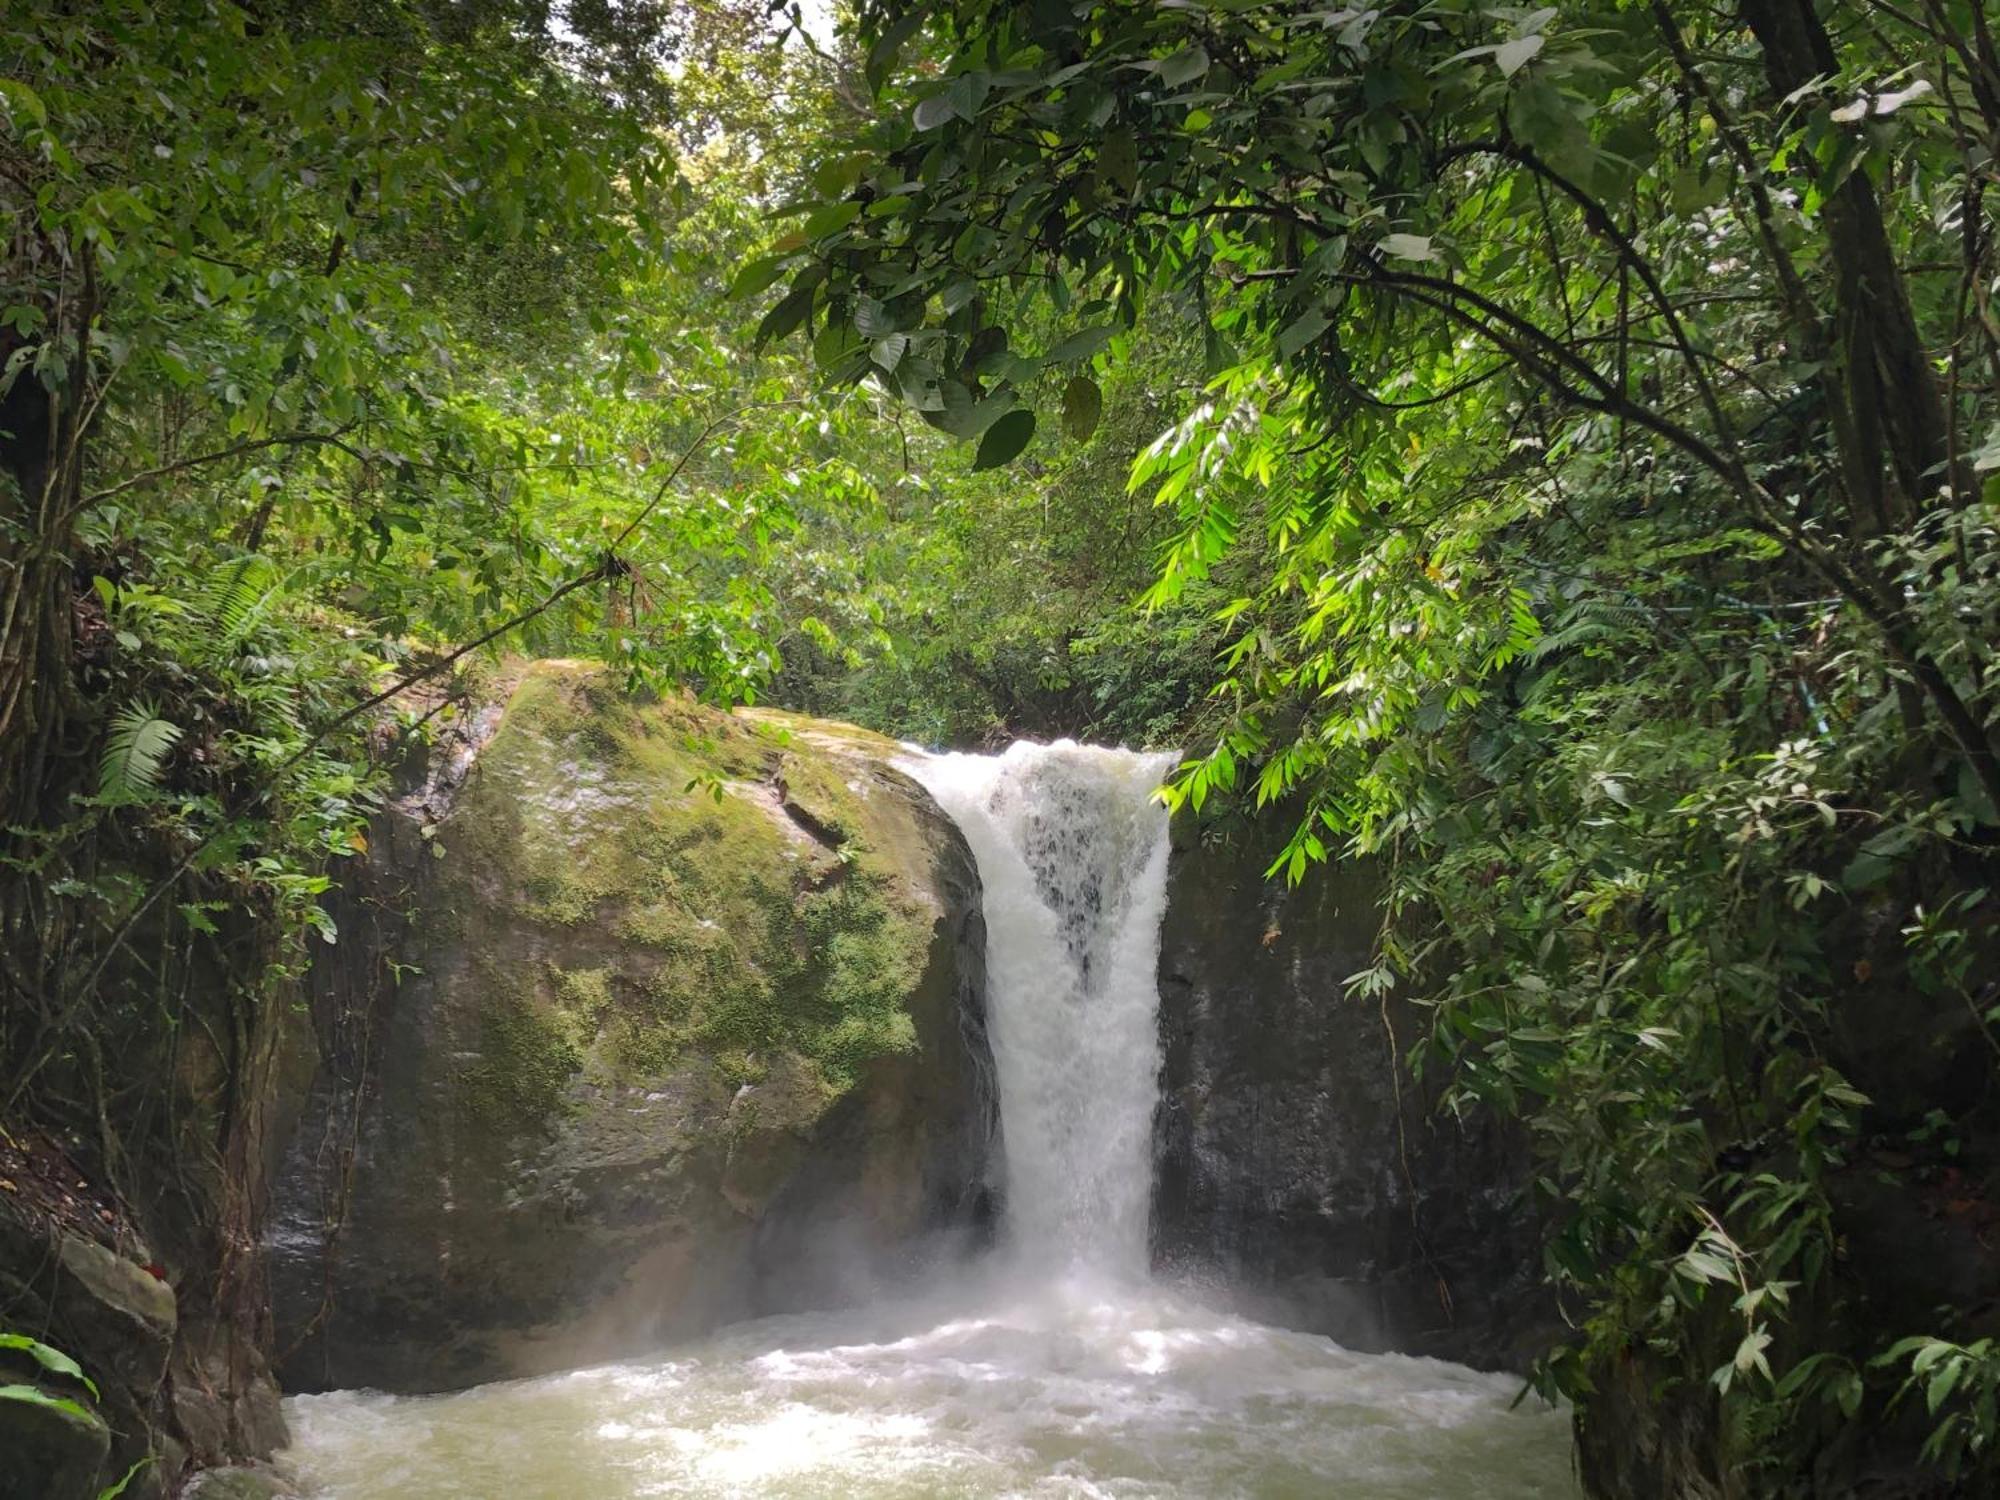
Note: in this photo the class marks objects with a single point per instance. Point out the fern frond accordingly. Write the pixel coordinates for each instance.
(237, 597)
(134, 754)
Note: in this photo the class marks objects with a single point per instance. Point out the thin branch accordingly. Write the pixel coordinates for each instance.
(282, 440)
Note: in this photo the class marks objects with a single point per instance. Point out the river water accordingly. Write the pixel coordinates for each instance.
(1055, 1368)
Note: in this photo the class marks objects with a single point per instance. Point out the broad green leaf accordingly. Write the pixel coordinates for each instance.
(1302, 331)
(22, 102)
(831, 218)
(1081, 345)
(1118, 160)
(872, 318)
(758, 275)
(1082, 405)
(888, 352)
(1005, 439)
(1512, 56)
(1185, 66)
(837, 177)
(787, 315)
(882, 55)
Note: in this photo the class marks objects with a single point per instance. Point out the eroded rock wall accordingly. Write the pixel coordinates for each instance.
(672, 1017)
(1301, 1168)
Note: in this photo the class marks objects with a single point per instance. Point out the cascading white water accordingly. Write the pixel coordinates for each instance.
(1072, 853)
(1058, 1371)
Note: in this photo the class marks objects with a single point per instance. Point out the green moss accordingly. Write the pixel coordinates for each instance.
(584, 994)
(867, 961)
(527, 1053)
(820, 790)
(683, 922)
(560, 899)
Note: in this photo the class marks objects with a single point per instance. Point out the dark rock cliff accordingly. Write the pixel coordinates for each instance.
(1301, 1168)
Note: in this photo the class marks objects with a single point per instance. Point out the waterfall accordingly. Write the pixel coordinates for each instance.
(1072, 854)
(1059, 1371)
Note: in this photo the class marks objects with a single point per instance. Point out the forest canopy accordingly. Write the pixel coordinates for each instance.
(1550, 451)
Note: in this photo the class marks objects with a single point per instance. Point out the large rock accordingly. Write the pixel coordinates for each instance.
(681, 1023)
(1301, 1166)
(54, 1447)
(118, 1321)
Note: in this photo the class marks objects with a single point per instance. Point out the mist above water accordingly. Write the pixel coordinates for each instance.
(1056, 1367)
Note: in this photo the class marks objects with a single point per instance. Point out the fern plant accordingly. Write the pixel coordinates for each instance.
(238, 596)
(134, 754)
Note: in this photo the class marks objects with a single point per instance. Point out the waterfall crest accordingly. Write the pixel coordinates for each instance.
(1072, 854)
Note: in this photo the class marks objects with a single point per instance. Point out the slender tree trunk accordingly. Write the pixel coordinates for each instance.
(1893, 436)
(37, 623)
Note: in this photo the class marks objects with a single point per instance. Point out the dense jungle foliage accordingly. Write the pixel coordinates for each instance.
(1553, 450)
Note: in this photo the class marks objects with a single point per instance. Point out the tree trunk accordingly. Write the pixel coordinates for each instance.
(1893, 441)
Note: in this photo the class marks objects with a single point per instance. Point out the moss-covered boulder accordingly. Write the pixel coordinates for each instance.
(665, 1003)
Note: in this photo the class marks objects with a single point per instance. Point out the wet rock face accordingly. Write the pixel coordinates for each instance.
(1300, 1166)
(683, 1026)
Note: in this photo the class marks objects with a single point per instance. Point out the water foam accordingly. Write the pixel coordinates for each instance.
(982, 1393)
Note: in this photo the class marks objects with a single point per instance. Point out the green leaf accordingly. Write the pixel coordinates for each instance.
(52, 1360)
(837, 177)
(1302, 330)
(130, 1474)
(888, 352)
(831, 218)
(1986, 459)
(966, 93)
(1118, 160)
(34, 1396)
(134, 753)
(953, 411)
(1005, 439)
(1184, 66)
(757, 275)
(1408, 246)
(872, 318)
(1081, 345)
(1702, 1265)
(834, 343)
(791, 309)
(882, 56)
(1750, 1352)
(1082, 405)
(22, 101)
(1513, 56)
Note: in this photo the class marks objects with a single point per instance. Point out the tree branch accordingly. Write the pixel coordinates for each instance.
(288, 439)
